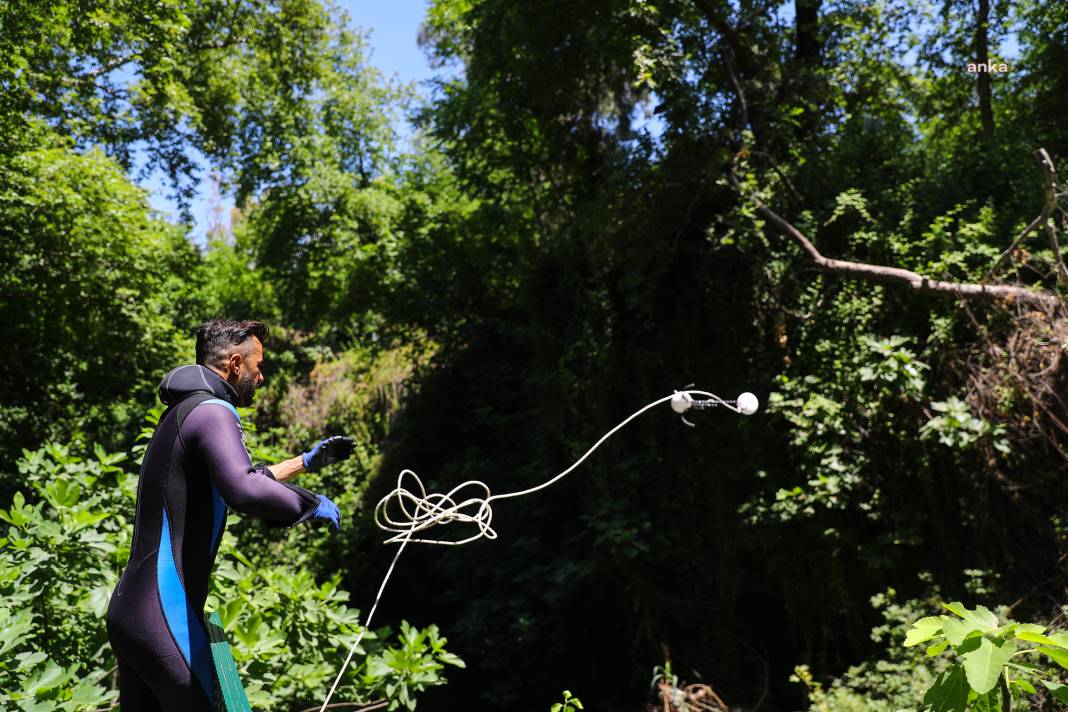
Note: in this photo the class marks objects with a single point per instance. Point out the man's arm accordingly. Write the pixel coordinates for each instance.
(287, 469)
(325, 452)
(215, 433)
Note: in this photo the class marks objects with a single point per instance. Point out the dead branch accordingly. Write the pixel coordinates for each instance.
(904, 277)
(1048, 206)
(354, 706)
(705, 698)
(1012, 248)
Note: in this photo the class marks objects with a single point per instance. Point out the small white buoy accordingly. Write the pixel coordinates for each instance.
(681, 402)
(747, 403)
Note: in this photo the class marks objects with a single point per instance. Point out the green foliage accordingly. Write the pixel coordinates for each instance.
(232, 284)
(570, 703)
(401, 671)
(288, 634)
(99, 287)
(957, 427)
(896, 369)
(249, 84)
(60, 551)
(828, 421)
(62, 547)
(325, 243)
(895, 680)
(983, 675)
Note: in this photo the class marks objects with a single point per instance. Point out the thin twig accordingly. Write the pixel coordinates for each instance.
(377, 705)
(743, 107)
(110, 66)
(107, 709)
(1015, 243)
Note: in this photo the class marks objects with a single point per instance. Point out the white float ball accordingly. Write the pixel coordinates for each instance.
(748, 403)
(681, 402)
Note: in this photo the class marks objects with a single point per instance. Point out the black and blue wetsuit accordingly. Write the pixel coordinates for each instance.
(196, 466)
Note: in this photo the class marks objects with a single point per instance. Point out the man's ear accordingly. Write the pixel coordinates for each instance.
(235, 361)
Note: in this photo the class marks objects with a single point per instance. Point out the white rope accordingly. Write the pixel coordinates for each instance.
(409, 509)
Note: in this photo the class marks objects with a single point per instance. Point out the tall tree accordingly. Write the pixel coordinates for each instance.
(94, 294)
(227, 79)
(982, 55)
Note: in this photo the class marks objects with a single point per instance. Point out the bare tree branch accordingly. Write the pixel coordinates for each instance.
(354, 706)
(1050, 173)
(743, 105)
(904, 277)
(1015, 243)
(109, 66)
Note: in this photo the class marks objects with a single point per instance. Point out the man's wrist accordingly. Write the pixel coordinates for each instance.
(287, 469)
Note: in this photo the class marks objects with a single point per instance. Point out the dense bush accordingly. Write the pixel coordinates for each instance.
(62, 546)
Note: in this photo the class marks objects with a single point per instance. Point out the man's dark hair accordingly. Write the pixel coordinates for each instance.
(217, 338)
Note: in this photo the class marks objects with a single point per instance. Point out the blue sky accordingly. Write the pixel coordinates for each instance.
(394, 29)
(394, 26)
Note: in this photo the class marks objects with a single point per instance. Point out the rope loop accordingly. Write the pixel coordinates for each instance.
(408, 510)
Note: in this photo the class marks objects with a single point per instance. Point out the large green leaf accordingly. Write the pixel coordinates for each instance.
(51, 677)
(956, 631)
(1028, 628)
(1057, 654)
(990, 702)
(923, 630)
(1024, 685)
(956, 607)
(98, 600)
(984, 664)
(1059, 691)
(949, 693)
(15, 630)
(88, 694)
(983, 618)
(1035, 638)
(937, 649)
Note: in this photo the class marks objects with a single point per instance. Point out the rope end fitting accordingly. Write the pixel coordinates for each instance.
(682, 401)
(747, 403)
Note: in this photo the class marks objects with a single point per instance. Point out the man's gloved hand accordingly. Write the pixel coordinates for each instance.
(327, 452)
(328, 510)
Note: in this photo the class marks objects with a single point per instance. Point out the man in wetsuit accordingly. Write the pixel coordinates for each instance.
(195, 468)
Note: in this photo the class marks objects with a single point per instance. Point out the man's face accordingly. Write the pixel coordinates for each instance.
(244, 372)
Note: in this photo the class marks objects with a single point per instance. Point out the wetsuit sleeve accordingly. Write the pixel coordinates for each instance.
(213, 433)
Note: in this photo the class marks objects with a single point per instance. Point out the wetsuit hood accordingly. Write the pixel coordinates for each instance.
(186, 380)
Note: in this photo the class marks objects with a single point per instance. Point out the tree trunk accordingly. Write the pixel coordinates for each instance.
(806, 31)
(982, 51)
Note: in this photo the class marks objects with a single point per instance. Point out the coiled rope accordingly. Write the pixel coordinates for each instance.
(409, 509)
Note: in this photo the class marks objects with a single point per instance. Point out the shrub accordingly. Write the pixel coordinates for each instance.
(63, 543)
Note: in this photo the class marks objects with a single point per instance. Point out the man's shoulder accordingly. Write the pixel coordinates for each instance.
(220, 402)
(211, 419)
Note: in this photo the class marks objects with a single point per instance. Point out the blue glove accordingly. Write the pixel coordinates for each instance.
(328, 510)
(327, 452)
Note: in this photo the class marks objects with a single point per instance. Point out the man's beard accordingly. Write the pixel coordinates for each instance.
(246, 390)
